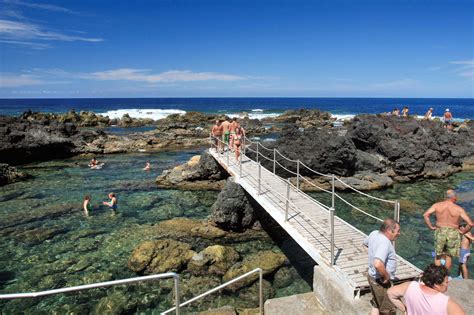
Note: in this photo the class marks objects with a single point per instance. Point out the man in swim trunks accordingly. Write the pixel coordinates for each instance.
(226, 131)
(233, 125)
(448, 216)
(447, 117)
(216, 135)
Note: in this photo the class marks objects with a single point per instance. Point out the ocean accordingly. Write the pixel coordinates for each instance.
(156, 108)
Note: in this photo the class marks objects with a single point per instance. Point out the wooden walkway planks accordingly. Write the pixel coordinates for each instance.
(309, 223)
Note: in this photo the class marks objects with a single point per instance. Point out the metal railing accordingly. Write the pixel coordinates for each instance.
(101, 285)
(173, 275)
(271, 156)
(260, 272)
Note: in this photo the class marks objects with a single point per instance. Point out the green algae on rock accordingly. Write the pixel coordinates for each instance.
(160, 256)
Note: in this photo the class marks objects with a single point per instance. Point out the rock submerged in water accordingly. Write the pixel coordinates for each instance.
(216, 259)
(268, 260)
(183, 227)
(160, 256)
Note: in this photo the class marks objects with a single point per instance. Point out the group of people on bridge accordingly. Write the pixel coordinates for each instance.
(228, 135)
(452, 238)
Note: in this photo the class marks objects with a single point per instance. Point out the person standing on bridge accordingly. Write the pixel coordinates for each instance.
(447, 238)
(216, 135)
(382, 265)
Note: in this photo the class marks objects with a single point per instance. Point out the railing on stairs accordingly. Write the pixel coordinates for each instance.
(272, 156)
(173, 275)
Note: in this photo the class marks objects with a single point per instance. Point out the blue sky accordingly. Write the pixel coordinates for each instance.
(166, 48)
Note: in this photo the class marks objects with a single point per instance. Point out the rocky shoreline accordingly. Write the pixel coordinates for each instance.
(368, 152)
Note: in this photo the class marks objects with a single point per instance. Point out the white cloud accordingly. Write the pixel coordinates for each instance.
(27, 31)
(466, 68)
(14, 80)
(42, 6)
(31, 45)
(397, 84)
(142, 75)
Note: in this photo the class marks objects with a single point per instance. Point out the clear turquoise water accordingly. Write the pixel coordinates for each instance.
(47, 242)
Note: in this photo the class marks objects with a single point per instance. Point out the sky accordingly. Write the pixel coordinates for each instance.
(223, 48)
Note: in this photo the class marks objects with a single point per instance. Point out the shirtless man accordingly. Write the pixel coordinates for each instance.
(447, 237)
(447, 117)
(233, 125)
(216, 135)
(226, 131)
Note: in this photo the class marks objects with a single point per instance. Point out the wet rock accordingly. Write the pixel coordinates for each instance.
(284, 277)
(38, 235)
(115, 303)
(251, 294)
(9, 174)
(193, 286)
(306, 118)
(160, 256)
(201, 172)
(216, 259)
(269, 261)
(365, 181)
(232, 209)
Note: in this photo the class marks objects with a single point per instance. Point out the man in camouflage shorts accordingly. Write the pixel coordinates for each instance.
(447, 238)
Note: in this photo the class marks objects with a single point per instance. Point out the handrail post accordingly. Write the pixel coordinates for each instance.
(176, 287)
(333, 191)
(396, 212)
(274, 160)
(259, 176)
(240, 166)
(260, 273)
(287, 199)
(332, 210)
(298, 174)
(228, 156)
(257, 150)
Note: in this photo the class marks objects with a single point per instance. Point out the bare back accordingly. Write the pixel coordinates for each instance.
(225, 126)
(448, 214)
(216, 130)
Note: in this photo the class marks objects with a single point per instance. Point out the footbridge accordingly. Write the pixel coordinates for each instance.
(335, 245)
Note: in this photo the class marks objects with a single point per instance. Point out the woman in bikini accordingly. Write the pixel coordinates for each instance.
(237, 142)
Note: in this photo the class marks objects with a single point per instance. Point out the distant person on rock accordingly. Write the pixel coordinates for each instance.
(448, 216)
(395, 112)
(226, 131)
(382, 265)
(216, 136)
(405, 111)
(427, 297)
(86, 205)
(448, 119)
(466, 239)
(429, 114)
(112, 204)
(147, 166)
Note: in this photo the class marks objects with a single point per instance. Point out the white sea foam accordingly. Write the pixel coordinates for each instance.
(253, 115)
(343, 116)
(257, 110)
(154, 114)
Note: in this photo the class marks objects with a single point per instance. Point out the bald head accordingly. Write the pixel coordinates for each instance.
(450, 194)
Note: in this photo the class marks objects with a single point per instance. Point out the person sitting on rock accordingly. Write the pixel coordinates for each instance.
(429, 114)
(405, 111)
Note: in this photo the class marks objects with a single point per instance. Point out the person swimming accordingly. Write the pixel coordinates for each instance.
(112, 204)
